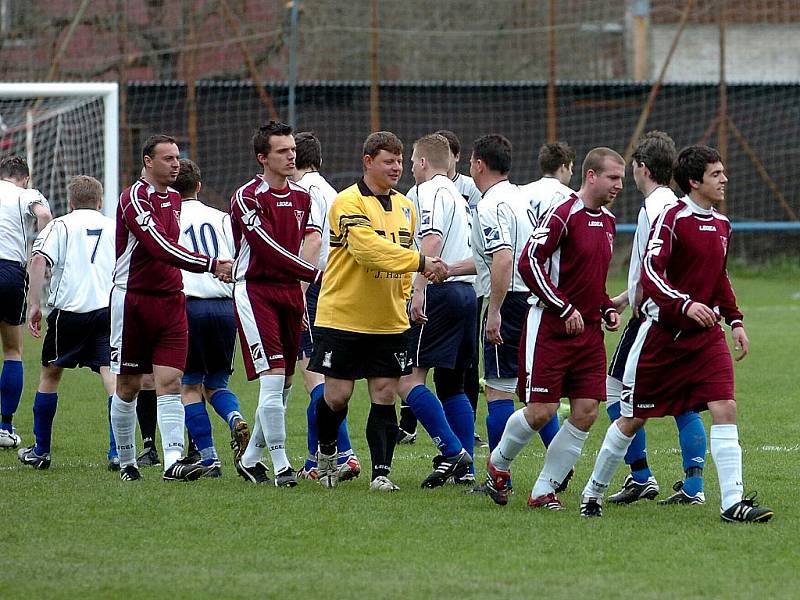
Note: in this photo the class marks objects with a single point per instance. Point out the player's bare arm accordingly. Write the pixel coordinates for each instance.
(741, 343)
(501, 271)
(43, 216)
(36, 274)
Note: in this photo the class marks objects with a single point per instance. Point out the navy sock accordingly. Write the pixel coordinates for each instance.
(11, 380)
(692, 436)
(112, 443)
(44, 410)
(430, 414)
(636, 456)
(199, 426)
(225, 403)
(549, 431)
(311, 421)
(458, 411)
(499, 413)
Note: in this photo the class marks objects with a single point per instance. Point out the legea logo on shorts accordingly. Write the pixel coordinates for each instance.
(541, 390)
(114, 355)
(256, 352)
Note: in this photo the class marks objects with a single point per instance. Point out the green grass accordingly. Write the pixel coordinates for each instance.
(76, 530)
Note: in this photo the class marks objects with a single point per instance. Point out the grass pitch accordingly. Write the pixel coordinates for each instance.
(76, 530)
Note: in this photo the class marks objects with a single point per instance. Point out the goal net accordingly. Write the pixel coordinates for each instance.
(62, 130)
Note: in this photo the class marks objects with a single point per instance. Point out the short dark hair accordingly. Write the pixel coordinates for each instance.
(188, 178)
(596, 160)
(452, 140)
(14, 166)
(309, 151)
(382, 140)
(262, 134)
(149, 146)
(84, 191)
(553, 155)
(657, 150)
(495, 151)
(691, 164)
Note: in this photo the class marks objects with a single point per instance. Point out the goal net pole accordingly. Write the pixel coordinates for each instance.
(110, 94)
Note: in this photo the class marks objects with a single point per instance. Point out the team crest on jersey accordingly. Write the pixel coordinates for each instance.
(724, 241)
(407, 213)
(298, 214)
(256, 351)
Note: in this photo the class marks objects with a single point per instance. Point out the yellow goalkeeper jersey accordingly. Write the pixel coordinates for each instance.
(367, 280)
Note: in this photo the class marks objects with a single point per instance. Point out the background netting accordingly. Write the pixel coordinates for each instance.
(208, 71)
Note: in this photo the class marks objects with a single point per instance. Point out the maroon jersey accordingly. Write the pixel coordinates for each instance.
(686, 262)
(268, 228)
(565, 263)
(149, 257)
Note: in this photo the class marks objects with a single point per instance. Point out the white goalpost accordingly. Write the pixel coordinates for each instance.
(63, 129)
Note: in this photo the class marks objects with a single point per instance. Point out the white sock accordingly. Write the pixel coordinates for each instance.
(171, 422)
(727, 455)
(516, 436)
(255, 447)
(563, 453)
(613, 450)
(272, 414)
(613, 390)
(123, 422)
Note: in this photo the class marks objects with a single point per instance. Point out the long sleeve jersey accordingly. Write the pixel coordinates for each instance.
(565, 262)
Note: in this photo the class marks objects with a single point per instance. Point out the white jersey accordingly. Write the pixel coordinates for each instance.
(16, 204)
(543, 194)
(208, 231)
(652, 206)
(465, 186)
(503, 220)
(322, 195)
(79, 248)
(442, 210)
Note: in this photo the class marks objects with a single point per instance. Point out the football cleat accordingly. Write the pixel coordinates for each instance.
(193, 454)
(350, 469)
(747, 511)
(632, 490)
(681, 497)
(286, 478)
(497, 483)
(240, 436)
(562, 487)
(9, 439)
(212, 471)
(468, 479)
(327, 470)
(255, 474)
(549, 501)
(382, 484)
(477, 490)
(447, 466)
(113, 464)
(591, 507)
(149, 458)
(184, 469)
(310, 473)
(404, 437)
(479, 443)
(28, 456)
(130, 473)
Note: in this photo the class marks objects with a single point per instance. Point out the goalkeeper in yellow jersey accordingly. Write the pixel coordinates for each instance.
(361, 320)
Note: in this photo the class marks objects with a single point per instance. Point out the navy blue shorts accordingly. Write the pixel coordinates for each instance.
(13, 292)
(307, 336)
(447, 340)
(500, 362)
(212, 340)
(77, 339)
(616, 368)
